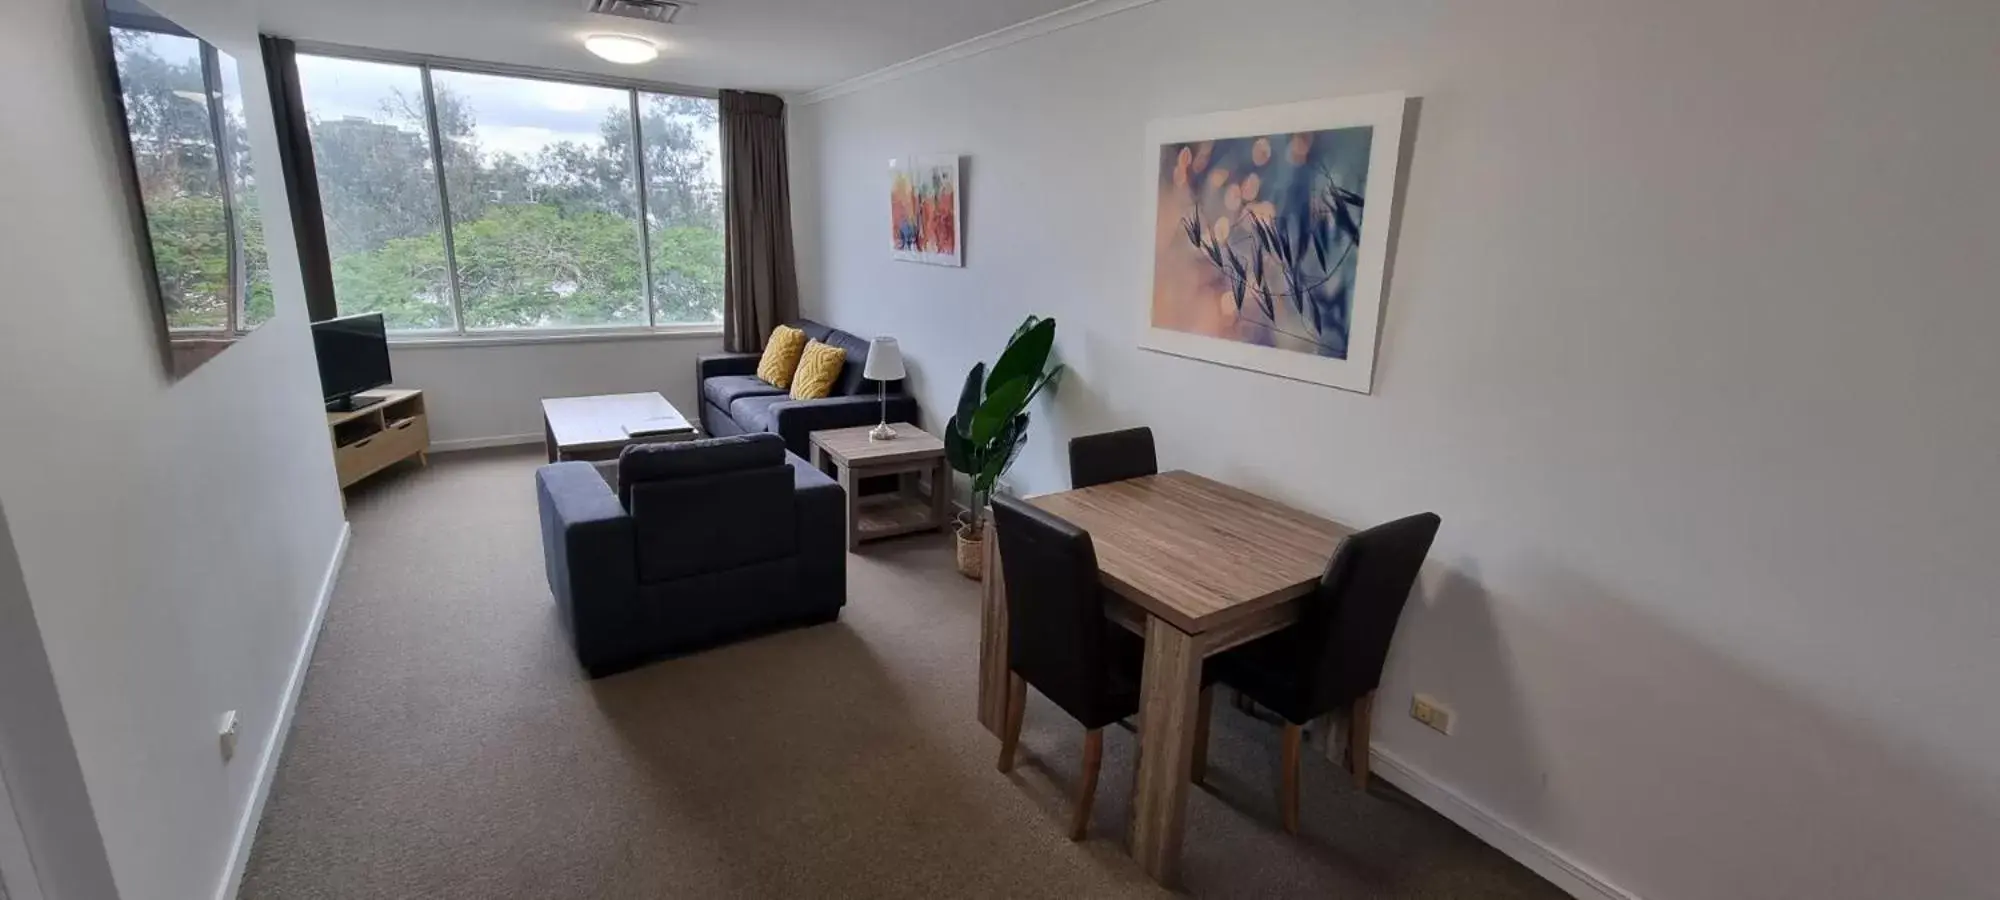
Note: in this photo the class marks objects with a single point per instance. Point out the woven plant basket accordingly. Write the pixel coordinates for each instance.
(971, 552)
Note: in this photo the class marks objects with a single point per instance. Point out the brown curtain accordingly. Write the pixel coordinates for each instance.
(295, 162)
(761, 288)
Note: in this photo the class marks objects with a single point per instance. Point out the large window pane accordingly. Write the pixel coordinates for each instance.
(545, 218)
(180, 182)
(385, 230)
(683, 205)
(253, 267)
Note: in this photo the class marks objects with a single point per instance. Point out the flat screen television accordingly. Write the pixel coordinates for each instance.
(353, 356)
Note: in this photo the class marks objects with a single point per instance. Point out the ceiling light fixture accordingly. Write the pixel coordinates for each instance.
(622, 48)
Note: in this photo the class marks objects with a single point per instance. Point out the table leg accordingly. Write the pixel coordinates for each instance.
(549, 439)
(992, 639)
(1168, 698)
(941, 494)
(848, 483)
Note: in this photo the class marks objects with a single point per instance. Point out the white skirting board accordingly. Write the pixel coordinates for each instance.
(481, 443)
(267, 765)
(1496, 832)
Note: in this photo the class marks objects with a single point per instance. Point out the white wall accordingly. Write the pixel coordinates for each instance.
(1689, 341)
(172, 538)
(49, 843)
(482, 395)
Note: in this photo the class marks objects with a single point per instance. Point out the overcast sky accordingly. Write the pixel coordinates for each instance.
(514, 115)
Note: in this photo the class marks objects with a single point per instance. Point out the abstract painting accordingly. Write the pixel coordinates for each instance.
(924, 215)
(1270, 229)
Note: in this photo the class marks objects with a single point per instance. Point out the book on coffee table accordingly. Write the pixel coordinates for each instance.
(664, 426)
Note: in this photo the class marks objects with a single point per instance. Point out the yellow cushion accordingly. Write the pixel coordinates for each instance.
(819, 365)
(781, 356)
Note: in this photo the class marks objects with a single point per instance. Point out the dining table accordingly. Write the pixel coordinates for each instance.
(1195, 567)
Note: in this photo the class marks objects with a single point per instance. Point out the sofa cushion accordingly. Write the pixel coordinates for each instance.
(641, 463)
(850, 381)
(715, 522)
(781, 355)
(819, 367)
(723, 390)
(814, 330)
(753, 414)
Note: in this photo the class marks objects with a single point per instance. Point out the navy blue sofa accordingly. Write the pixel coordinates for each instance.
(700, 542)
(735, 401)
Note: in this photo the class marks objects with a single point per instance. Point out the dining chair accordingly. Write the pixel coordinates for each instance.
(1332, 657)
(1111, 456)
(1058, 638)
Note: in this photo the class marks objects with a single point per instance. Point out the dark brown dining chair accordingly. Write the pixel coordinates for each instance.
(1111, 456)
(1058, 638)
(1333, 656)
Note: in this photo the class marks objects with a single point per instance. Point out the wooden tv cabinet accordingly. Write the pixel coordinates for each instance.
(390, 429)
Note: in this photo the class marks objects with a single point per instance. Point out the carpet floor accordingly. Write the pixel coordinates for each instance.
(447, 746)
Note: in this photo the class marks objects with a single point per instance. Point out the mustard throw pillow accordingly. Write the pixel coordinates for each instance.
(781, 356)
(819, 365)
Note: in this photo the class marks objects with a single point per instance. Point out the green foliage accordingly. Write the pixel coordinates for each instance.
(545, 240)
(191, 259)
(549, 239)
(533, 266)
(987, 433)
(200, 271)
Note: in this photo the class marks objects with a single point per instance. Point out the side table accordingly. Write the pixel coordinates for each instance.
(849, 456)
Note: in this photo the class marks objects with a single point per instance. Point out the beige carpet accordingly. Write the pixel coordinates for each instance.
(447, 747)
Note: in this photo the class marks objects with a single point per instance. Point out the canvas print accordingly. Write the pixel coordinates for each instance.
(924, 217)
(1267, 249)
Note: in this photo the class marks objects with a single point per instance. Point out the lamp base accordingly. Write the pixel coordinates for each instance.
(882, 432)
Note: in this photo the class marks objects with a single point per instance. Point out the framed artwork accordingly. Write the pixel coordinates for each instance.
(1270, 228)
(925, 223)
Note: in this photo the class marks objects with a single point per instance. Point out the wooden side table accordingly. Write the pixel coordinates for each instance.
(849, 456)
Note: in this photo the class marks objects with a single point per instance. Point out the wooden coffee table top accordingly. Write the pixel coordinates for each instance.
(851, 446)
(592, 423)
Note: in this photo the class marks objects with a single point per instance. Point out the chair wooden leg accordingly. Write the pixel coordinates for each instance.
(1086, 793)
(1288, 789)
(1360, 719)
(1201, 716)
(1010, 730)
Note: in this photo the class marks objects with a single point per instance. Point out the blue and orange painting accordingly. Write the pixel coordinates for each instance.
(1257, 236)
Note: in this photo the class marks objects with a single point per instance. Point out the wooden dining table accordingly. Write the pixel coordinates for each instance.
(1195, 567)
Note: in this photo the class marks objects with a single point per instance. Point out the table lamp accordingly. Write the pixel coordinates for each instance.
(885, 364)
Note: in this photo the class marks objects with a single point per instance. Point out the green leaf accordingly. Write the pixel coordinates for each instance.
(958, 451)
(1000, 409)
(1025, 357)
(1006, 447)
(1022, 329)
(968, 396)
(1050, 379)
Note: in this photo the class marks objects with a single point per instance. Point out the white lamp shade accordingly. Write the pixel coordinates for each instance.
(885, 360)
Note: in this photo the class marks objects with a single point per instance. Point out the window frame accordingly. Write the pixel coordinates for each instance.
(460, 335)
(237, 323)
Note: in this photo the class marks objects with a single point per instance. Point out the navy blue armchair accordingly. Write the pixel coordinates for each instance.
(698, 543)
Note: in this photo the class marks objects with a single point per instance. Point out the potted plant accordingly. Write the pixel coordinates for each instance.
(991, 425)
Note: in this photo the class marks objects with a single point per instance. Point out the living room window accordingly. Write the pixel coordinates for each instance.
(184, 117)
(563, 207)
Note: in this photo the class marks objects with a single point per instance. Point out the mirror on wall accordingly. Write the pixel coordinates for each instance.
(180, 106)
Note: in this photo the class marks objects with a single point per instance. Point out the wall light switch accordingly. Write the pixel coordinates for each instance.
(228, 732)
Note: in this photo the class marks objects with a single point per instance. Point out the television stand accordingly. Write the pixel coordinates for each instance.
(384, 428)
(355, 402)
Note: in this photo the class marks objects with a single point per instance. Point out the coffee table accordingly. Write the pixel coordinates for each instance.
(595, 428)
(850, 456)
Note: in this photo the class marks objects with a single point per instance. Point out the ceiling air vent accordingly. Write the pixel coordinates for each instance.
(661, 11)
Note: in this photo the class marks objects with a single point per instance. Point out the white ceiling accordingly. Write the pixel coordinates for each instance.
(781, 46)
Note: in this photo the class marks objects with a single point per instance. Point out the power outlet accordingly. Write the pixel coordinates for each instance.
(227, 733)
(1427, 710)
